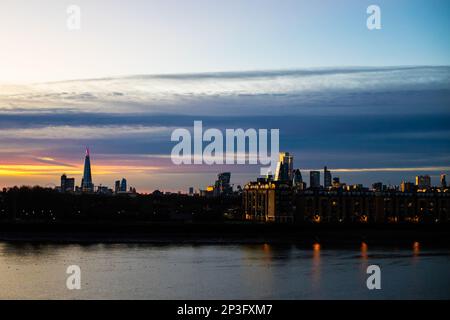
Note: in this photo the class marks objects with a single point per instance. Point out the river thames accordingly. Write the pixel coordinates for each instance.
(238, 271)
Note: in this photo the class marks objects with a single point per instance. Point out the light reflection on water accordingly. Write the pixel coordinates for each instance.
(133, 271)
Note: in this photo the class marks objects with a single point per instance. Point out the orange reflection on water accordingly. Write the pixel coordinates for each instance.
(268, 253)
(364, 249)
(266, 248)
(416, 249)
(316, 248)
(316, 266)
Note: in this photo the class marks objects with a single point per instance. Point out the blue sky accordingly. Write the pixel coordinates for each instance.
(368, 104)
(172, 36)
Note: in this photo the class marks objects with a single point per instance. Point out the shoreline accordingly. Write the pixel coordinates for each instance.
(223, 233)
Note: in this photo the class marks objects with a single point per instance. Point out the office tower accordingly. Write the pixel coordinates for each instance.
(117, 186)
(70, 185)
(191, 191)
(443, 181)
(86, 182)
(423, 182)
(222, 184)
(298, 179)
(123, 185)
(407, 187)
(67, 184)
(326, 178)
(63, 183)
(285, 166)
(314, 179)
(377, 186)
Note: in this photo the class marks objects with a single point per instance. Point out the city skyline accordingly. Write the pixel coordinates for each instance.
(370, 104)
(285, 172)
(199, 151)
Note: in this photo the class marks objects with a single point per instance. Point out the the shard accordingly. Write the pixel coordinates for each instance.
(86, 182)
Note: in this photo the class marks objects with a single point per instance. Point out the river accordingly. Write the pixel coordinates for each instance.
(182, 271)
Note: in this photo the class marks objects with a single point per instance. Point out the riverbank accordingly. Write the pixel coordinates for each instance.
(218, 233)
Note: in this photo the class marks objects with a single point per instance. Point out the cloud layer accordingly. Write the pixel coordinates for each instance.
(393, 117)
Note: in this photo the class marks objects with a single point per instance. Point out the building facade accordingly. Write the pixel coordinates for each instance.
(423, 182)
(314, 179)
(370, 206)
(67, 184)
(326, 178)
(266, 200)
(285, 167)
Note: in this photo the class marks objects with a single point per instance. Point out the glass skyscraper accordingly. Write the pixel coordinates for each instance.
(86, 182)
(326, 178)
(284, 170)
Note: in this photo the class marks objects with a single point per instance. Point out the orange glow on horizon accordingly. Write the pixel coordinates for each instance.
(54, 171)
(49, 170)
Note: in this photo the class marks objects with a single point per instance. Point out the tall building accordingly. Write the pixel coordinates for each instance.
(314, 179)
(123, 185)
(423, 182)
(285, 167)
(117, 186)
(86, 182)
(407, 187)
(326, 178)
(222, 184)
(377, 186)
(297, 179)
(67, 184)
(443, 181)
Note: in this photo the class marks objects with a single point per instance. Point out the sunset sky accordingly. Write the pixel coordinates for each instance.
(371, 105)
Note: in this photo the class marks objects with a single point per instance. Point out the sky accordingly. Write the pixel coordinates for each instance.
(372, 105)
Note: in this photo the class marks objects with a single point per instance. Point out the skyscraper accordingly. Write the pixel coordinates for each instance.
(67, 184)
(378, 186)
(86, 182)
(297, 179)
(443, 181)
(285, 165)
(326, 178)
(423, 182)
(407, 186)
(314, 179)
(222, 184)
(123, 185)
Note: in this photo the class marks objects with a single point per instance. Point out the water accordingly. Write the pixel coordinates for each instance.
(123, 271)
